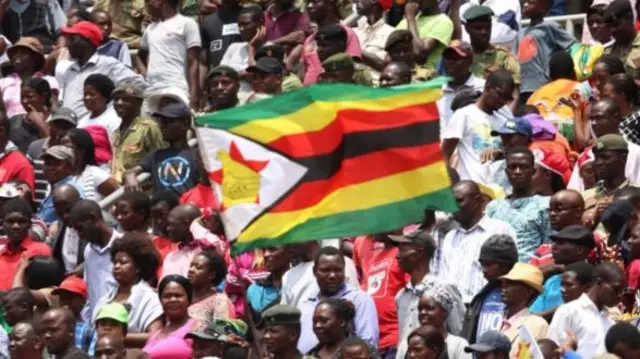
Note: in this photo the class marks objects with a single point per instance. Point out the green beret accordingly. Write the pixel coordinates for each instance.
(281, 314)
(611, 143)
(226, 71)
(337, 62)
(476, 12)
(129, 90)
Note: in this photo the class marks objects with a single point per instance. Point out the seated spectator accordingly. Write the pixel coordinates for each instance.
(113, 47)
(58, 170)
(72, 294)
(290, 81)
(399, 46)
(491, 344)
(516, 132)
(577, 279)
(266, 80)
(395, 74)
(219, 337)
(161, 205)
(31, 126)
(102, 145)
(331, 41)
(28, 339)
(67, 247)
(111, 329)
(282, 330)
(222, 88)
(39, 19)
(373, 32)
(551, 172)
(620, 18)
(286, 25)
(57, 323)
(129, 20)
(623, 340)
(133, 210)
(206, 273)
(96, 182)
(265, 292)
(98, 90)
(13, 164)
(27, 59)
(137, 135)
(17, 304)
(109, 344)
(428, 337)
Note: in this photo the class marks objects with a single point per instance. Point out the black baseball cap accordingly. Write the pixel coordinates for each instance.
(576, 233)
(267, 65)
(420, 237)
(490, 341)
(270, 50)
(173, 111)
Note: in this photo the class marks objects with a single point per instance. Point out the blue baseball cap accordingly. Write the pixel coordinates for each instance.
(490, 341)
(515, 126)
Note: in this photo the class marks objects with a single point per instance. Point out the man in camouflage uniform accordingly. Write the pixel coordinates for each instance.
(130, 18)
(478, 26)
(342, 68)
(282, 331)
(137, 136)
(399, 46)
(619, 18)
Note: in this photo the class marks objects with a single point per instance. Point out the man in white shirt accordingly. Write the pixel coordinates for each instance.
(461, 246)
(373, 32)
(171, 47)
(588, 317)
(469, 131)
(505, 21)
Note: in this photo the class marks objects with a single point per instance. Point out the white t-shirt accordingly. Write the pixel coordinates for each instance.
(109, 119)
(167, 43)
(473, 127)
(90, 179)
(237, 57)
(444, 103)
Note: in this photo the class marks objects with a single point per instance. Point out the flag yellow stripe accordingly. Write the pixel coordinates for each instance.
(319, 114)
(381, 191)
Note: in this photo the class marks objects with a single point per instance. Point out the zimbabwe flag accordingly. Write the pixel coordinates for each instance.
(326, 161)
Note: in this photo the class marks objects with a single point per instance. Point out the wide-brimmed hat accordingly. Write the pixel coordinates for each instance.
(30, 43)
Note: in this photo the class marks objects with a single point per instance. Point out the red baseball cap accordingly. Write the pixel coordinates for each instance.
(86, 29)
(553, 162)
(72, 284)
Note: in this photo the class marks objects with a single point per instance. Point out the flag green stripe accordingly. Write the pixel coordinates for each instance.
(378, 219)
(290, 102)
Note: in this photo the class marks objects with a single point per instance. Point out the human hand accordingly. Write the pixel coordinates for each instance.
(259, 37)
(489, 155)
(411, 10)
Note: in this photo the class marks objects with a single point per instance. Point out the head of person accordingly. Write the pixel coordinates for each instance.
(468, 196)
(174, 120)
(328, 269)
(521, 285)
(86, 218)
(605, 116)
(84, 150)
(565, 209)
(572, 244)
(64, 197)
(110, 347)
(333, 321)
(536, 8)
(127, 101)
(26, 56)
(277, 259)
(354, 348)
(98, 89)
(435, 304)
(620, 20)
(157, 7)
(18, 304)
(395, 74)
(577, 278)
(492, 344)
(516, 132)
(414, 250)
(83, 38)
(623, 340)
(25, 340)
(162, 203)
(179, 221)
(608, 284)
(634, 241)
(134, 258)
(498, 254)
(498, 90)
(281, 329)
(58, 329)
(266, 75)
(103, 20)
(112, 319)
(320, 10)
(520, 167)
(373, 7)
(457, 59)
(176, 295)
(35, 95)
(426, 342)
(77, 13)
(330, 40)
(72, 294)
(223, 85)
(623, 90)
(399, 46)
(207, 269)
(604, 68)
(217, 338)
(598, 28)
(561, 66)
(250, 19)
(133, 210)
(62, 120)
(552, 171)
(611, 153)
(338, 68)
(549, 349)
(17, 220)
(478, 25)
(43, 272)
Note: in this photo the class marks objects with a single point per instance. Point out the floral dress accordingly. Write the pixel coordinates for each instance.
(215, 306)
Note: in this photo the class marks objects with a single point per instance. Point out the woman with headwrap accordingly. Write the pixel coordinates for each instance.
(438, 307)
(97, 99)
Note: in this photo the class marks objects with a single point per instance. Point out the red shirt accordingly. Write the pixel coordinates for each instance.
(164, 246)
(633, 274)
(15, 166)
(10, 261)
(382, 278)
(200, 196)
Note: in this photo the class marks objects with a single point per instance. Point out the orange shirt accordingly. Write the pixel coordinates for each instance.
(10, 261)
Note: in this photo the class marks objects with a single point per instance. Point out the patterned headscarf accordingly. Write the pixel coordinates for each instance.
(449, 298)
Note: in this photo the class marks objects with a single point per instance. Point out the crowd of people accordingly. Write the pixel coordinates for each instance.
(540, 133)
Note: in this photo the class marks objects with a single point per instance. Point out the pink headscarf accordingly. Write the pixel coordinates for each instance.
(102, 144)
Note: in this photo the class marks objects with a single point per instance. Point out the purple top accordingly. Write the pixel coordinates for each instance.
(286, 23)
(542, 129)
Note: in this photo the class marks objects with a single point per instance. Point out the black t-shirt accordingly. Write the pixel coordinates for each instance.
(21, 134)
(172, 169)
(218, 31)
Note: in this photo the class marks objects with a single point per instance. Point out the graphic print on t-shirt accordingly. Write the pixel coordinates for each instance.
(174, 172)
(378, 278)
(491, 313)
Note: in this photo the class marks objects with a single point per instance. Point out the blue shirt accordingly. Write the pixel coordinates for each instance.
(261, 294)
(85, 338)
(551, 297)
(529, 217)
(98, 274)
(47, 212)
(491, 313)
(365, 321)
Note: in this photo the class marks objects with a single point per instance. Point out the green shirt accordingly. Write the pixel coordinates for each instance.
(129, 19)
(291, 82)
(630, 55)
(130, 148)
(438, 27)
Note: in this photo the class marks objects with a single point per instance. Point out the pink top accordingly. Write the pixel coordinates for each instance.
(10, 89)
(173, 346)
(312, 64)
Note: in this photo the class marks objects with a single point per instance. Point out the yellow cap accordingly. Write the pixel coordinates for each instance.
(527, 274)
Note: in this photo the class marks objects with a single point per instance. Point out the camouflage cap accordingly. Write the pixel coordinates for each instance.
(610, 143)
(224, 70)
(477, 12)
(281, 314)
(129, 90)
(337, 62)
